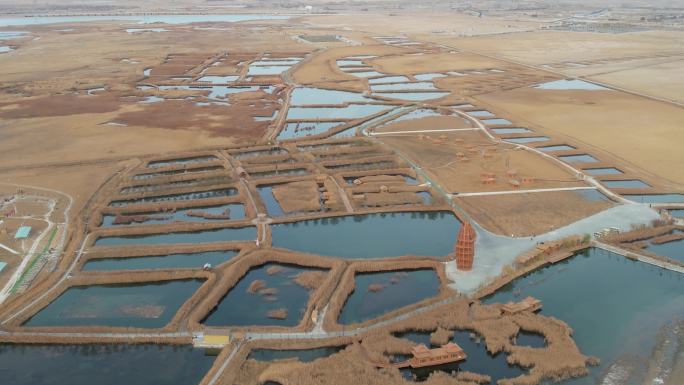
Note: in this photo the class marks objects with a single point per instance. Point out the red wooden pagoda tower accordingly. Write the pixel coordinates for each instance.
(465, 247)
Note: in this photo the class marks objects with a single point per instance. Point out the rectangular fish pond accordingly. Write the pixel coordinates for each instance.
(371, 236)
(561, 147)
(168, 261)
(615, 306)
(110, 364)
(204, 236)
(193, 214)
(602, 171)
(528, 139)
(320, 96)
(655, 198)
(181, 161)
(673, 249)
(352, 111)
(140, 305)
(176, 197)
(378, 293)
(627, 183)
(268, 295)
(581, 158)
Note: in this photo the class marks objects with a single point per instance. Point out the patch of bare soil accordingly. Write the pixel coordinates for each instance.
(530, 214)
(59, 105)
(181, 114)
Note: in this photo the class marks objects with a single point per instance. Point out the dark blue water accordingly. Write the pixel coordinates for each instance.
(674, 249)
(578, 158)
(655, 198)
(242, 308)
(478, 360)
(303, 355)
(629, 183)
(181, 161)
(236, 211)
(218, 235)
(118, 364)
(170, 261)
(176, 197)
(614, 305)
(532, 340)
(602, 171)
(272, 206)
(372, 236)
(400, 288)
(140, 305)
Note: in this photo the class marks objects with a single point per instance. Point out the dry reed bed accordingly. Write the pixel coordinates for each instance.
(172, 205)
(363, 160)
(389, 172)
(144, 169)
(559, 359)
(639, 234)
(123, 277)
(201, 179)
(241, 268)
(177, 190)
(178, 227)
(242, 370)
(178, 156)
(348, 282)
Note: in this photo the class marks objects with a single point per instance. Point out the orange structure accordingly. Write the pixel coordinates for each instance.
(422, 356)
(528, 304)
(465, 247)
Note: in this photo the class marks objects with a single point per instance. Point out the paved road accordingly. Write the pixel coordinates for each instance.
(493, 252)
(538, 190)
(640, 257)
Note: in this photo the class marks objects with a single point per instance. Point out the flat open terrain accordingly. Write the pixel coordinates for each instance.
(633, 129)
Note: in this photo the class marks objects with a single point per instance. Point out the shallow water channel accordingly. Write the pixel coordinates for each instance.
(372, 235)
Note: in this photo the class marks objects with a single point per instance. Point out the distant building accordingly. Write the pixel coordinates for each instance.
(23, 232)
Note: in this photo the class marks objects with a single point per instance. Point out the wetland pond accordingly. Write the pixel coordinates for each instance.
(673, 249)
(140, 305)
(115, 364)
(372, 236)
(378, 293)
(615, 306)
(168, 261)
(214, 235)
(266, 296)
